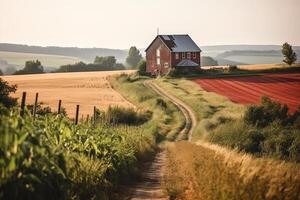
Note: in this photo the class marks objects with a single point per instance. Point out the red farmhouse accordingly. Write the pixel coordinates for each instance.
(172, 51)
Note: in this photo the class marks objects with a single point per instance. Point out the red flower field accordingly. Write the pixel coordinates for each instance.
(284, 88)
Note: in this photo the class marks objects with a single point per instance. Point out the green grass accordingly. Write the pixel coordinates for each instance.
(211, 109)
(166, 117)
(19, 59)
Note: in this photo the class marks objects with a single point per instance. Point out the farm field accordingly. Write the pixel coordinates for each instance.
(284, 88)
(87, 89)
(18, 59)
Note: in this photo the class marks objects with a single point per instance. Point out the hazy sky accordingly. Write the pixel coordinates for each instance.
(122, 23)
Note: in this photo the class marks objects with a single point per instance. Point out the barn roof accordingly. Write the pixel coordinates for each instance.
(187, 63)
(178, 43)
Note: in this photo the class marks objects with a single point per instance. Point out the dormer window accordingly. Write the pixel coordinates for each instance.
(189, 55)
(183, 55)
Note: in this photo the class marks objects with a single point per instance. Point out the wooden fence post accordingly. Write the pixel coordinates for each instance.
(94, 115)
(23, 104)
(35, 105)
(87, 118)
(59, 107)
(77, 113)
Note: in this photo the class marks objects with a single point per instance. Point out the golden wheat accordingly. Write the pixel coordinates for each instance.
(87, 89)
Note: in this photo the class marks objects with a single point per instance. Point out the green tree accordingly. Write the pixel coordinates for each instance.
(142, 67)
(31, 67)
(290, 56)
(134, 57)
(108, 61)
(5, 90)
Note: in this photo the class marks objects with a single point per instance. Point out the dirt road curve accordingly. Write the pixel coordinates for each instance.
(188, 113)
(149, 186)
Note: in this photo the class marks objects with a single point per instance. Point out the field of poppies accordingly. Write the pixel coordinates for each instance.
(284, 88)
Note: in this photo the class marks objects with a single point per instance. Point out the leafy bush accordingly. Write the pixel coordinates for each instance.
(267, 112)
(5, 91)
(142, 68)
(161, 103)
(232, 68)
(120, 115)
(44, 110)
(266, 130)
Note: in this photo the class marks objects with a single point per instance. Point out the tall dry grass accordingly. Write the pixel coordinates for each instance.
(206, 171)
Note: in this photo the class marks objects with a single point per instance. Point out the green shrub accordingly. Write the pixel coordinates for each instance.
(267, 112)
(160, 102)
(232, 68)
(5, 91)
(120, 115)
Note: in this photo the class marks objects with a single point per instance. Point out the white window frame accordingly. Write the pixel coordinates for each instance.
(176, 56)
(158, 52)
(158, 57)
(183, 55)
(158, 60)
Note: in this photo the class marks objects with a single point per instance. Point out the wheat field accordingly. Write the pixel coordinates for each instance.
(87, 89)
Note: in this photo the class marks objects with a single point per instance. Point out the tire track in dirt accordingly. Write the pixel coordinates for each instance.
(149, 186)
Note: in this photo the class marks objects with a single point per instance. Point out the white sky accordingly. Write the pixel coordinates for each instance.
(123, 23)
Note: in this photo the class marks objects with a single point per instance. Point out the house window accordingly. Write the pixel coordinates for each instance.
(166, 65)
(158, 56)
(183, 55)
(158, 61)
(194, 55)
(189, 55)
(158, 53)
(176, 56)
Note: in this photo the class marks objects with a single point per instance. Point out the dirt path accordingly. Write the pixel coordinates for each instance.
(149, 187)
(188, 113)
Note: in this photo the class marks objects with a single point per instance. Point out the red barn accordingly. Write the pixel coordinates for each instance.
(172, 51)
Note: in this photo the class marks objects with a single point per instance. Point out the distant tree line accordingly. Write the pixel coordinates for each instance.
(31, 67)
(107, 63)
(101, 63)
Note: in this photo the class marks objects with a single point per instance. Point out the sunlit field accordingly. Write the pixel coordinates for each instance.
(87, 89)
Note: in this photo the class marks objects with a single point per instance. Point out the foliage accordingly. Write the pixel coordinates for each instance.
(290, 56)
(51, 158)
(107, 63)
(232, 68)
(265, 130)
(208, 61)
(121, 115)
(142, 68)
(167, 122)
(31, 67)
(134, 57)
(45, 110)
(5, 91)
(267, 112)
